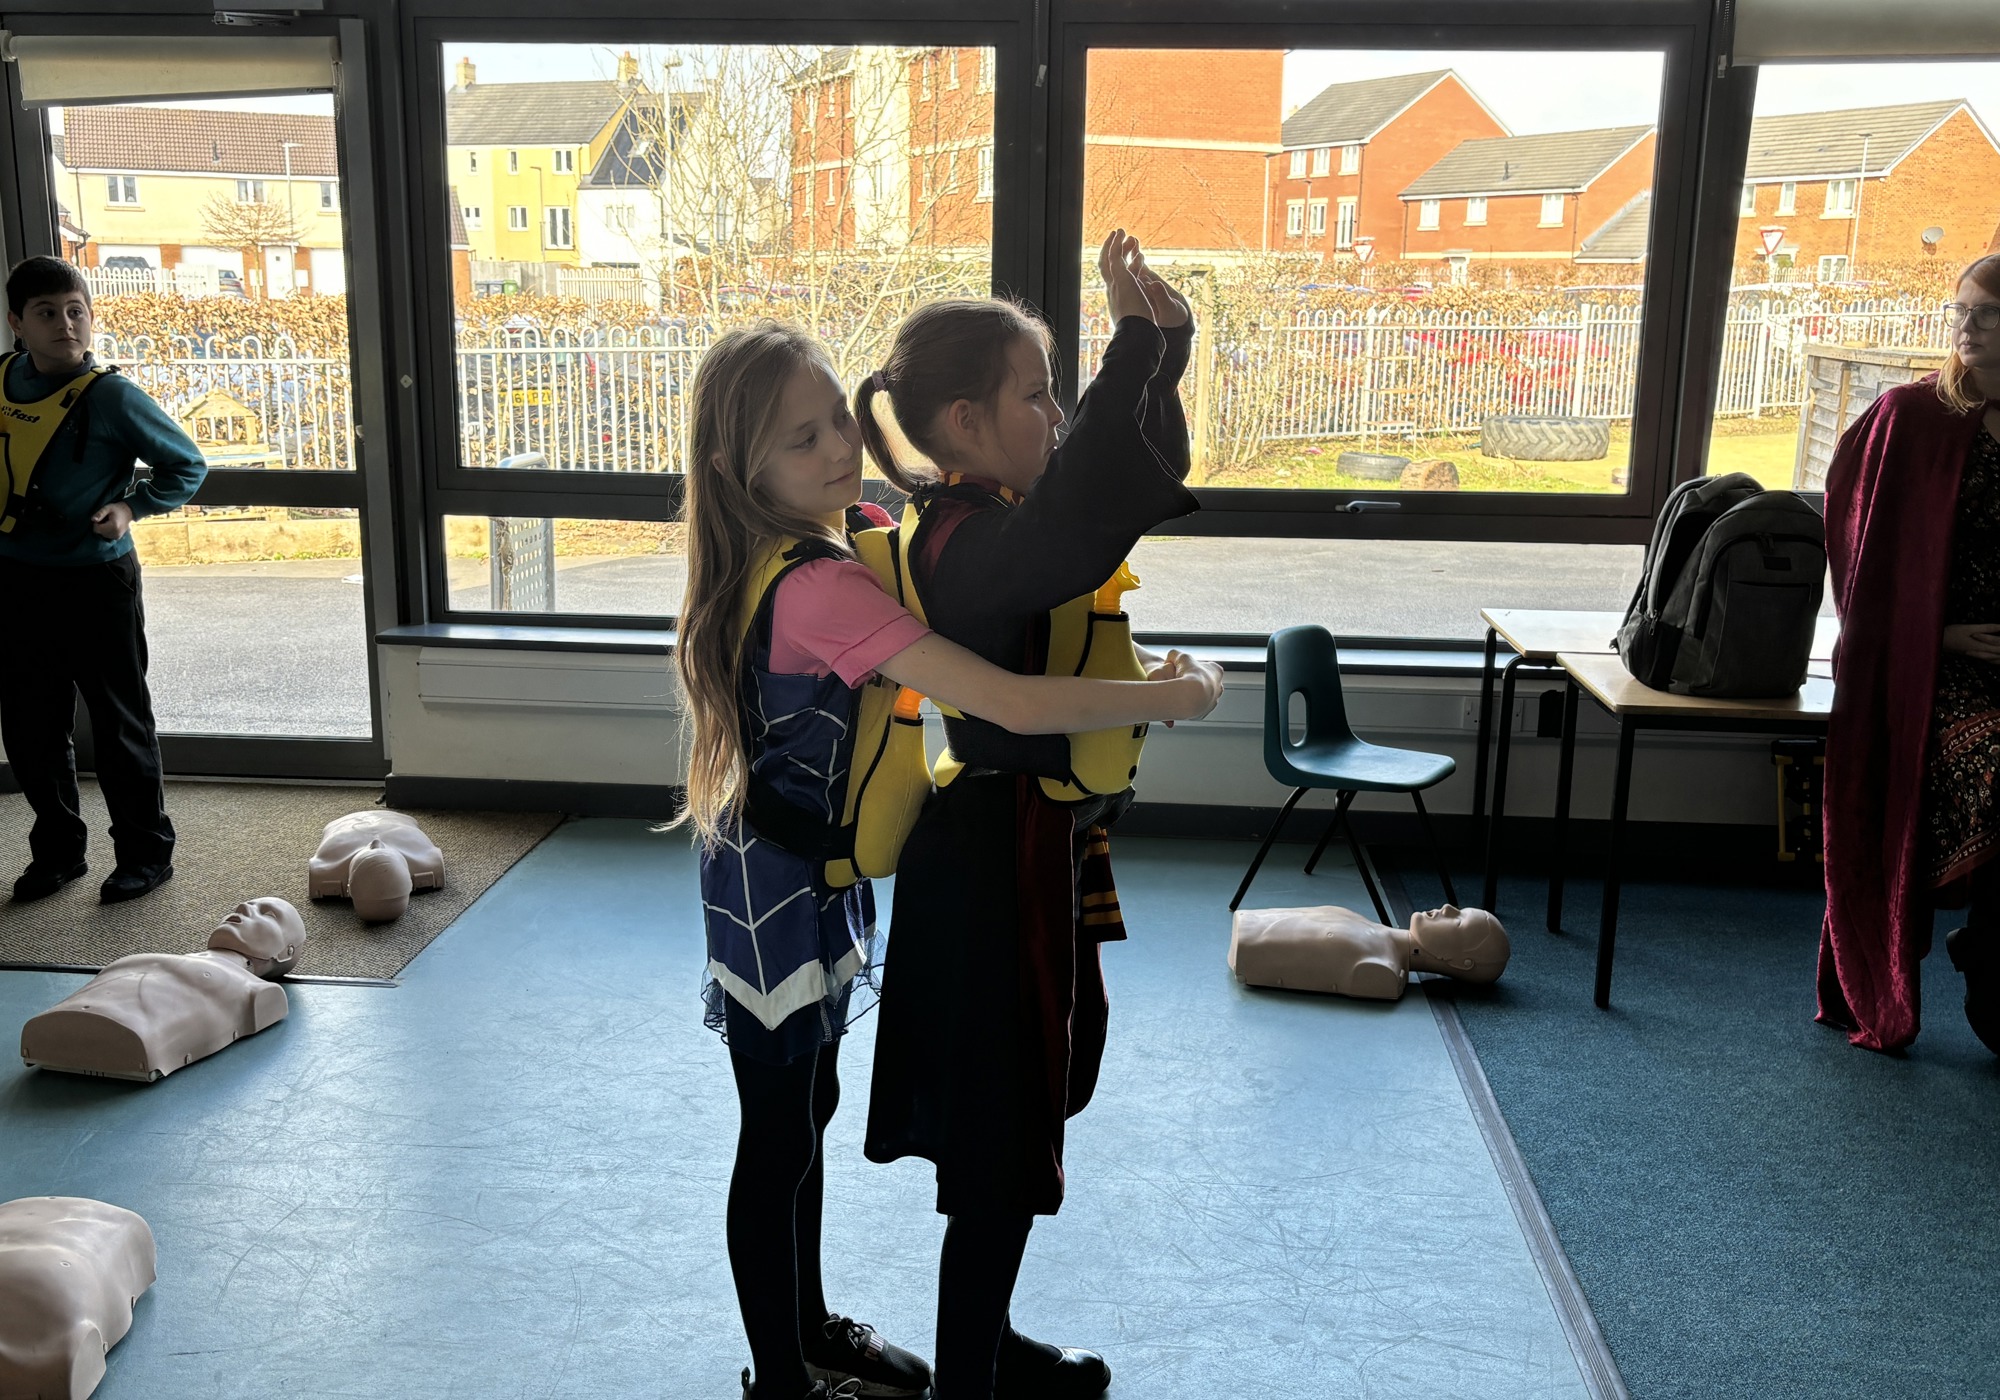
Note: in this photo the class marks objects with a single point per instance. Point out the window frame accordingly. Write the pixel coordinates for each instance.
(1322, 161)
(1475, 211)
(1561, 207)
(568, 223)
(1316, 217)
(1346, 221)
(122, 191)
(1350, 158)
(1296, 169)
(1429, 213)
(562, 161)
(524, 224)
(451, 489)
(1295, 218)
(1681, 31)
(1843, 209)
(1788, 197)
(380, 288)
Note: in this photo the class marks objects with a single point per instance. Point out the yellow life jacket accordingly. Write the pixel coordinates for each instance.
(26, 429)
(1088, 636)
(888, 775)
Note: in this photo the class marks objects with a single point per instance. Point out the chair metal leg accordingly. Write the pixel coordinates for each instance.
(1367, 877)
(1496, 809)
(1565, 780)
(1343, 798)
(1265, 849)
(1437, 851)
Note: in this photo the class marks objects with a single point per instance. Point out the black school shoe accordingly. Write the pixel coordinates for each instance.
(1976, 953)
(820, 1390)
(132, 881)
(41, 880)
(846, 1351)
(1032, 1370)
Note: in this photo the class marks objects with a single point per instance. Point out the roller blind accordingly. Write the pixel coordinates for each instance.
(1775, 30)
(63, 69)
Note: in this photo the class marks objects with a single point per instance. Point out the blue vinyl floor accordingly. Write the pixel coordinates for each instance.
(505, 1177)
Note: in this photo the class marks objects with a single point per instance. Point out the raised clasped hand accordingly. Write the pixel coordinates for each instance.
(1123, 296)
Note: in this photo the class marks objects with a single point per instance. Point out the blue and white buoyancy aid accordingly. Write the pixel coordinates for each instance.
(780, 937)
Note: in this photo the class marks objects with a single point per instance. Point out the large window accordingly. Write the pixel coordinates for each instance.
(1495, 357)
(1888, 179)
(732, 166)
(224, 297)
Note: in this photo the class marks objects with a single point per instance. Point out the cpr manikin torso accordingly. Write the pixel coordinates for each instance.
(149, 1014)
(70, 1271)
(374, 859)
(1329, 949)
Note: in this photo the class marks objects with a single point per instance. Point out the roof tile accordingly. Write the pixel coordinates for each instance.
(1553, 161)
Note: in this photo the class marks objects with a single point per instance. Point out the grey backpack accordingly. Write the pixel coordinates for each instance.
(1730, 592)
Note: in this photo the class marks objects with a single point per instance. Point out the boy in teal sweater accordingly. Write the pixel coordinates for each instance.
(71, 432)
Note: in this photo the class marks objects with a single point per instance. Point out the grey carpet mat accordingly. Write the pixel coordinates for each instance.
(238, 841)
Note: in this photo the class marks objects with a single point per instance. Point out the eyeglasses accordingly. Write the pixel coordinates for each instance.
(1986, 315)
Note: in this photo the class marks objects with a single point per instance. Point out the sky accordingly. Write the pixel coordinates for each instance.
(1530, 92)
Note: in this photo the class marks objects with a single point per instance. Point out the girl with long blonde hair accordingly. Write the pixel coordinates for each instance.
(771, 685)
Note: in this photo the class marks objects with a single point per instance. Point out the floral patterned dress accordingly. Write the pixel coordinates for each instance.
(1962, 824)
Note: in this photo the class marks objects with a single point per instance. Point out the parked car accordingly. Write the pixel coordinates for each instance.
(230, 283)
(129, 261)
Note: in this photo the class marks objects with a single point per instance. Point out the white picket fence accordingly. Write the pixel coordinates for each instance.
(610, 399)
(187, 280)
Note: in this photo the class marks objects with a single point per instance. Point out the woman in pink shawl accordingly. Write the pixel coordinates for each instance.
(1913, 537)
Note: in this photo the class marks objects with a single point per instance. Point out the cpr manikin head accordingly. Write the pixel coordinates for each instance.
(149, 1014)
(1330, 949)
(268, 932)
(70, 1271)
(1468, 944)
(374, 859)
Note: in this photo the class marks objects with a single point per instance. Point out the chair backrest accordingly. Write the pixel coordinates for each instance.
(1301, 660)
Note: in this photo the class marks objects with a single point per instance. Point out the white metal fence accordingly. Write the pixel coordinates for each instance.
(296, 409)
(611, 399)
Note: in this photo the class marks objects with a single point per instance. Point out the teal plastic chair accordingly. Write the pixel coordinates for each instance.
(1303, 661)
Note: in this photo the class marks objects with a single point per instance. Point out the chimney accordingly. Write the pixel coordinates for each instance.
(628, 69)
(466, 75)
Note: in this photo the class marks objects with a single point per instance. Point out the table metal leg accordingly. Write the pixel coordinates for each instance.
(1607, 926)
(1565, 779)
(1479, 761)
(1490, 900)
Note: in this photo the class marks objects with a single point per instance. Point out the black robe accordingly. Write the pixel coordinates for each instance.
(993, 1007)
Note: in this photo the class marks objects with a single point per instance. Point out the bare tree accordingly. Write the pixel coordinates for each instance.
(251, 227)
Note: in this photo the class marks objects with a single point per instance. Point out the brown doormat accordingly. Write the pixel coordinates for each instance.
(238, 841)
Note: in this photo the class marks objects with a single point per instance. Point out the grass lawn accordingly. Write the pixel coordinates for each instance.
(1762, 447)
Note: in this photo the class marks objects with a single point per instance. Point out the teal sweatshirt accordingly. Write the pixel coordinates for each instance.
(121, 424)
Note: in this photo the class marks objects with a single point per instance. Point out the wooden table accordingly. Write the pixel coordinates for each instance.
(1538, 637)
(1612, 688)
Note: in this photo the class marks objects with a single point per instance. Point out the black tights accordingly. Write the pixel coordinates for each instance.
(775, 1200)
(982, 1258)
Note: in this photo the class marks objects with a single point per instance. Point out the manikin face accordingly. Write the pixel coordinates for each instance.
(1977, 348)
(1467, 943)
(268, 932)
(815, 468)
(1011, 438)
(55, 330)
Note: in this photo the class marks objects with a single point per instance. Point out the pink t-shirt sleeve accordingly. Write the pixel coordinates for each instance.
(833, 615)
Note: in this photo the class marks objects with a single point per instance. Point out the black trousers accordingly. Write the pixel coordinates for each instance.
(81, 629)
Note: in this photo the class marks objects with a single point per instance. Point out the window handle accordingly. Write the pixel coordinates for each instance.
(1356, 507)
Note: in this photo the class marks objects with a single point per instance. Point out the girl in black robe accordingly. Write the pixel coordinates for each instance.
(993, 1009)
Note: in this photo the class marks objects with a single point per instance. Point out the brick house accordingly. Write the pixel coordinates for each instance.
(1525, 198)
(896, 145)
(1862, 185)
(1350, 152)
(891, 144)
(1177, 147)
